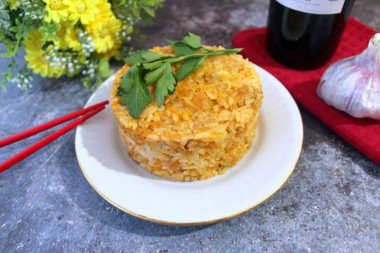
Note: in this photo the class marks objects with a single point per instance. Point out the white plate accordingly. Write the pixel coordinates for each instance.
(126, 185)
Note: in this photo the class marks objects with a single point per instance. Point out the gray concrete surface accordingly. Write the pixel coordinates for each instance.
(331, 203)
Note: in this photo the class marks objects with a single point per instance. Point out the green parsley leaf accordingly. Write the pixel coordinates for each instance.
(153, 65)
(190, 44)
(171, 42)
(149, 56)
(119, 92)
(193, 40)
(165, 84)
(153, 76)
(136, 95)
(189, 66)
(183, 48)
(135, 58)
(142, 56)
(149, 68)
(126, 82)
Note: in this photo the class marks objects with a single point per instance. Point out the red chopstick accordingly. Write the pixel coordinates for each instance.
(88, 113)
(34, 130)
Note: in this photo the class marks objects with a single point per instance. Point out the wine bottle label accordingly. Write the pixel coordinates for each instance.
(314, 6)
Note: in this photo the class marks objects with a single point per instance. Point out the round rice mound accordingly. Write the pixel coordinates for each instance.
(204, 128)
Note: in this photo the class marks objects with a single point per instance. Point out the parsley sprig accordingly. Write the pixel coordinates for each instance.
(149, 68)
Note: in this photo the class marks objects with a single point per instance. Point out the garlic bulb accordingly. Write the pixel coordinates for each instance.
(353, 84)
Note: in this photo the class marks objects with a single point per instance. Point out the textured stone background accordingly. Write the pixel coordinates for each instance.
(331, 203)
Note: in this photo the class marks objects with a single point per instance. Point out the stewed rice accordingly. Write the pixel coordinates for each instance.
(204, 128)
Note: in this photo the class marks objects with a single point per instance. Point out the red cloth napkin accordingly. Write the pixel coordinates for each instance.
(363, 134)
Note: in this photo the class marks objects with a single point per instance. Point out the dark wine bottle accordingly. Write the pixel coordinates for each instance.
(303, 34)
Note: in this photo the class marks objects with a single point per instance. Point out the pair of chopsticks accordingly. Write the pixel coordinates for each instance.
(85, 114)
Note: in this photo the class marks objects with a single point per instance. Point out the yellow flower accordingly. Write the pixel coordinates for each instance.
(105, 35)
(72, 41)
(34, 41)
(83, 10)
(104, 13)
(61, 44)
(36, 57)
(113, 52)
(38, 62)
(68, 38)
(57, 10)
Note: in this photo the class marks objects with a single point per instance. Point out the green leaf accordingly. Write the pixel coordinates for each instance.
(149, 56)
(190, 44)
(146, 57)
(135, 58)
(119, 92)
(3, 86)
(138, 95)
(151, 3)
(14, 29)
(49, 30)
(153, 76)
(155, 68)
(171, 42)
(11, 51)
(87, 82)
(126, 82)
(193, 40)
(12, 63)
(189, 66)
(165, 84)
(104, 68)
(149, 11)
(136, 12)
(153, 65)
(8, 75)
(183, 48)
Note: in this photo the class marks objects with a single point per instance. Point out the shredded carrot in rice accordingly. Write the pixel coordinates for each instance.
(204, 128)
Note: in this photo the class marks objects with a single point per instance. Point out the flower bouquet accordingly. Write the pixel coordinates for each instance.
(68, 37)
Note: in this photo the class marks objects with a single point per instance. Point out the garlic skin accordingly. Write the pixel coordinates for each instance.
(353, 84)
